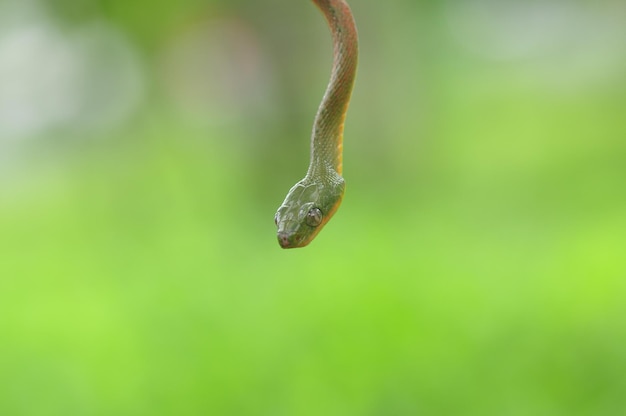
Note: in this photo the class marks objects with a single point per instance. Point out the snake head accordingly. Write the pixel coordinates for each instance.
(306, 209)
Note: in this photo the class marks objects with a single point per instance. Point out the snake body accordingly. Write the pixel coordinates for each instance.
(312, 201)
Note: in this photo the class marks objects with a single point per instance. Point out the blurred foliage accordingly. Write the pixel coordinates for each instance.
(476, 266)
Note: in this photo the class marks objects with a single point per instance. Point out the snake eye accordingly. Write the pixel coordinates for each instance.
(276, 219)
(314, 217)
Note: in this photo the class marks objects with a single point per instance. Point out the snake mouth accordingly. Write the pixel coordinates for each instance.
(291, 240)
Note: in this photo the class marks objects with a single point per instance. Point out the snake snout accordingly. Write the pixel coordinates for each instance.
(284, 239)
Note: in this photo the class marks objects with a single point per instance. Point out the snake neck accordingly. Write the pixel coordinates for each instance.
(327, 136)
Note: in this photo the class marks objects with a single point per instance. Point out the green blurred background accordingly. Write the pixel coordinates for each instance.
(476, 267)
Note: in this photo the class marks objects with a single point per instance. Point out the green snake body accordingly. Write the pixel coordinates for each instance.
(313, 200)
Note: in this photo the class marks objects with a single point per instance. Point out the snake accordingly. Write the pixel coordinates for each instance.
(312, 201)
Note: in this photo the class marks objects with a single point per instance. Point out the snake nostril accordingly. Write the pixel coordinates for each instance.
(283, 240)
